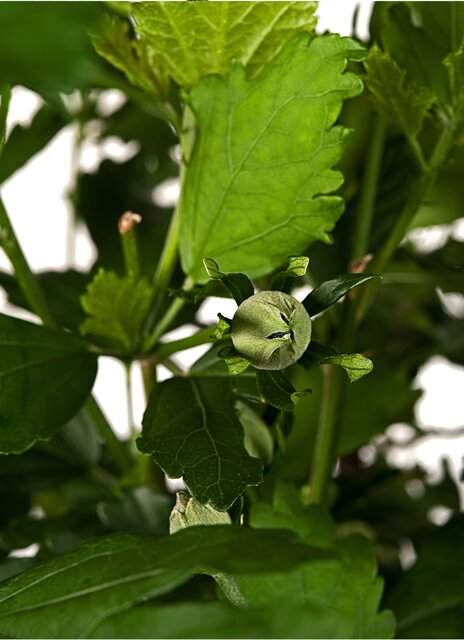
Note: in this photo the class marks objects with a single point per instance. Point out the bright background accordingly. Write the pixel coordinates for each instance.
(36, 198)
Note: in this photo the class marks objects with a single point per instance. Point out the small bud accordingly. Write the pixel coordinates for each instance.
(272, 329)
(128, 221)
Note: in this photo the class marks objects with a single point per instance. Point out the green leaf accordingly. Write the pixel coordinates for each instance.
(113, 42)
(62, 290)
(192, 40)
(117, 309)
(355, 365)
(66, 62)
(238, 284)
(329, 292)
(277, 390)
(139, 510)
(258, 440)
(275, 130)
(428, 600)
(72, 594)
(236, 363)
(283, 280)
(348, 587)
(220, 620)
(191, 429)
(404, 103)
(222, 329)
(45, 378)
(26, 141)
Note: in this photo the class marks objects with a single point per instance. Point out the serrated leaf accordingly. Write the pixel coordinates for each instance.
(236, 363)
(277, 390)
(347, 587)
(113, 42)
(191, 429)
(330, 291)
(275, 130)
(283, 280)
(404, 103)
(355, 364)
(117, 309)
(45, 378)
(192, 40)
(238, 284)
(72, 594)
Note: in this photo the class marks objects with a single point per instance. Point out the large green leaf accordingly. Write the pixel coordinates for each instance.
(429, 599)
(45, 377)
(192, 40)
(117, 309)
(191, 429)
(274, 130)
(46, 46)
(74, 593)
(220, 620)
(348, 586)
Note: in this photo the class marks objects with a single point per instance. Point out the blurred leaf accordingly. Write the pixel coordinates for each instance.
(191, 429)
(329, 292)
(46, 377)
(117, 309)
(55, 37)
(240, 151)
(275, 389)
(24, 142)
(138, 510)
(258, 440)
(190, 41)
(429, 599)
(404, 104)
(72, 594)
(62, 290)
(220, 620)
(355, 365)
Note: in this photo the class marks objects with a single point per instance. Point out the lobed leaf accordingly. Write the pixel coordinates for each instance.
(191, 429)
(263, 157)
(192, 40)
(117, 309)
(45, 378)
(404, 103)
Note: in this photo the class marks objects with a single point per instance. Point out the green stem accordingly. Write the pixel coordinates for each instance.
(130, 406)
(116, 448)
(366, 208)
(334, 384)
(5, 95)
(417, 195)
(327, 432)
(168, 348)
(165, 322)
(26, 279)
(127, 227)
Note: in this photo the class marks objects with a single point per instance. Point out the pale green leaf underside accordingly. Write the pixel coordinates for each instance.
(255, 189)
(404, 103)
(355, 364)
(117, 309)
(192, 39)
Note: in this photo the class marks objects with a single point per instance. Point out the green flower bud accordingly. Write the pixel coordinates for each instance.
(272, 329)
